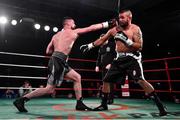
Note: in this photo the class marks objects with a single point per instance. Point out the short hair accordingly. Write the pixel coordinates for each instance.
(26, 81)
(65, 19)
(129, 13)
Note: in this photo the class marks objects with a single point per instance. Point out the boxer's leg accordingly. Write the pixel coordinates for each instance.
(20, 102)
(76, 77)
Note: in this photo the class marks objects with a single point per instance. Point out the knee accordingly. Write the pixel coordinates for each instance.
(78, 78)
(146, 84)
(106, 83)
(50, 90)
(140, 82)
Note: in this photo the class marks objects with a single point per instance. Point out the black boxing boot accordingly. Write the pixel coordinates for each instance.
(161, 107)
(103, 105)
(19, 104)
(81, 106)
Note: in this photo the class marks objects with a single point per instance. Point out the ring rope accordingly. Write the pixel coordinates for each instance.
(90, 70)
(27, 77)
(16, 88)
(31, 66)
(75, 59)
(17, 65)
(84, 79)
(132, 90)
(157, 70)
(41, 56)
(27, 55)
(45, 78)
(161, 59)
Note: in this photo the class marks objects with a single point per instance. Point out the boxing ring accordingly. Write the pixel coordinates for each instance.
(165, 80)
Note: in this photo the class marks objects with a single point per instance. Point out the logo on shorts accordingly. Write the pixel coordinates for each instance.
(134, 72)
(108, 49)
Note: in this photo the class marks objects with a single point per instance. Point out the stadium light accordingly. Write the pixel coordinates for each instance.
(3, 20)
(55, 29)
(14, 22)
(46, 28)
(37, 26)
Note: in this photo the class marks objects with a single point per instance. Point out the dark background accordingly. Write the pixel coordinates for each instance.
(158, 19)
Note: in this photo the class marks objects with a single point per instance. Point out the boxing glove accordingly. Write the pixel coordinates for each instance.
(123, 37)
(109, 24)
(85, 48)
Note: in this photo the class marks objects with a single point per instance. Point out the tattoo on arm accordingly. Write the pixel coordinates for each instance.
(138, 34)
(138, 39)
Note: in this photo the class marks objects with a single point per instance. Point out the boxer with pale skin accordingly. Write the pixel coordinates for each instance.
(60, 46)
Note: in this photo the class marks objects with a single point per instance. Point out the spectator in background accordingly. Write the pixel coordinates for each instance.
(41, 86)
(25, 88)
(10, 93)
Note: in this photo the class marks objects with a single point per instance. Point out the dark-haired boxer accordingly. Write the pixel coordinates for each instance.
(129, 43)
(60, 47)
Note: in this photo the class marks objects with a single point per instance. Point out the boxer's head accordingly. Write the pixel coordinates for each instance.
(69, 23)
(125, 17)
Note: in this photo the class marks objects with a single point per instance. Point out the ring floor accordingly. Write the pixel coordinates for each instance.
(64, 109)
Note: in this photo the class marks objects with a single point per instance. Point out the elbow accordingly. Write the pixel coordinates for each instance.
(47, 51)
(140, 48)
(136, 47)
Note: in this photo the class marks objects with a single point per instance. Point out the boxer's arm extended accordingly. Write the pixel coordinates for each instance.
(94, 27)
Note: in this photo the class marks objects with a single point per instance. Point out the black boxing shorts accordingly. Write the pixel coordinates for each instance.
(57, 68)
(122, 67)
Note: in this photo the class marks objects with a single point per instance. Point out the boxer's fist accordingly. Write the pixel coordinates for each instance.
(97, 69)
(85, 48)
(112, 23)
(108, 66)
(109, 24)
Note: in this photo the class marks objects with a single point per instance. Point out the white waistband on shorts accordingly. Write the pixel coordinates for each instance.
(124, 54)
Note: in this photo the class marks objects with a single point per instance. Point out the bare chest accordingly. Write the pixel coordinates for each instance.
(129, 33)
